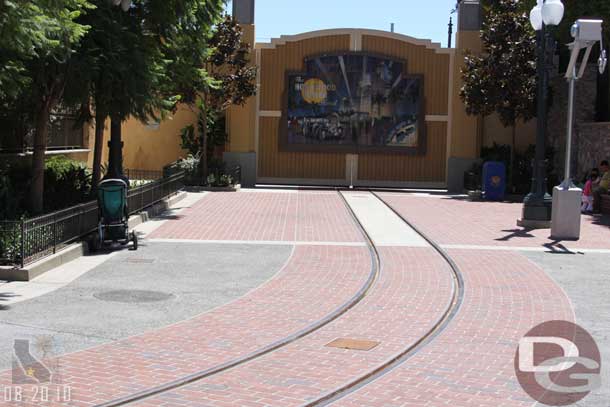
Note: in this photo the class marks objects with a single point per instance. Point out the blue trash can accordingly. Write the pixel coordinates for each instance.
(494, 180)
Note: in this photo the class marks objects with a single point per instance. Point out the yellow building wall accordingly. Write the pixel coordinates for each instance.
(465, 130)
(149, 146)
(495, 132)
(241, 120)
(421, 57)
(275, 63)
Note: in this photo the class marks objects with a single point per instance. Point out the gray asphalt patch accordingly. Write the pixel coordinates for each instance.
(586, 280)
(184, 279)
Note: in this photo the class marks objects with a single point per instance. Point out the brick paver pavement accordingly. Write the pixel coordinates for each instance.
(414, 290)
(471, 363)
(458, 221)
(316, 281)
(468, 364)
(265, 216)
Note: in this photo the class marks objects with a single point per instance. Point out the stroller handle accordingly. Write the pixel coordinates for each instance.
(113, 180)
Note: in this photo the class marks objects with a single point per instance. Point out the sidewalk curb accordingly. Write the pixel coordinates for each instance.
(30, 272)
(79, 249)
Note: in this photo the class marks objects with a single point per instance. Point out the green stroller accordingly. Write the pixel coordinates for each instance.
(113, 223)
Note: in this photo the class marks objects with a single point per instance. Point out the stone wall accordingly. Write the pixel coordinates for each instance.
(584, 112)
(592, 146)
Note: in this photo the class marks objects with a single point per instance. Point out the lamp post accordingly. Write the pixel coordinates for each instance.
(537, 206)
(115, 145)
(567, 197)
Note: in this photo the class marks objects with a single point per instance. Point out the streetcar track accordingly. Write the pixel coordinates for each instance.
(197, 376)
(360, 382)
(408, 353)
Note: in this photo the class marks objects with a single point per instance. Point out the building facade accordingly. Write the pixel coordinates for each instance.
(342, 107)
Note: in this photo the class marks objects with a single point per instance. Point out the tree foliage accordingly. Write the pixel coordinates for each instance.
(233, 79)
(503, 79)
(140, 63)
(229, 65)
(134, 63)
(35, 30)
(37, 42)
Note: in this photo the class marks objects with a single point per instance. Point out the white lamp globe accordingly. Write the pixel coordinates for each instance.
(552, 12)
(536, 16)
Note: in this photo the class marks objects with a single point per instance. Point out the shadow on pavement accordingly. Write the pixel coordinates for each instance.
(5, 296)
(602, 220)
(116, 248)
(168, 217)
(516, 199)
(515, 233)
(555, 247)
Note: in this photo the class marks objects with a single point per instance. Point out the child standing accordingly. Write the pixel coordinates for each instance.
(587, 193)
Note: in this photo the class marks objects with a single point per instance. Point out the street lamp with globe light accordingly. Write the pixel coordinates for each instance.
(537, 206)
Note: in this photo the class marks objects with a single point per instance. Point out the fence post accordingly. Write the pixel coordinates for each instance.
(54, 234)
(22, 243)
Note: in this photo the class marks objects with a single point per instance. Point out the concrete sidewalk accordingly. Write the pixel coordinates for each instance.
(135, 292)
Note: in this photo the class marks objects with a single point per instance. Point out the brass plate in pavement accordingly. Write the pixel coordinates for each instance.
(353, 344)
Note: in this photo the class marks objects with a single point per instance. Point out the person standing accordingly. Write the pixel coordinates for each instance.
(591, 182)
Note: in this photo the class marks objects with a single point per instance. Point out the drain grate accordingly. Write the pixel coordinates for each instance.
(353, 344)
(133, 296)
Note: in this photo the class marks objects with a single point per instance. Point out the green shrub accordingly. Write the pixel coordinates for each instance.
(10, 242)
(15, 178)
(222, 180)
(188, 165)
(67, 183)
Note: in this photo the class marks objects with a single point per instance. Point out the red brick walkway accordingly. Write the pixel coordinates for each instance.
(468, 364)
(413, 292)
(315, 282)
(265, 216)
(457, 221)
(471, 363)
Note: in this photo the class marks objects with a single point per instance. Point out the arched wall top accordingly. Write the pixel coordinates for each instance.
(356, 35)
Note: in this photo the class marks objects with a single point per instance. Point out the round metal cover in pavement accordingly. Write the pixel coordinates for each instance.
(133, 296)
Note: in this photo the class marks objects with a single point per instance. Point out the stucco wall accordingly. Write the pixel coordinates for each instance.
(149, 147)
(495, 132)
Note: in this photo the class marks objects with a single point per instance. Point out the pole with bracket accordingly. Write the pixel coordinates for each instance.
(567, 198)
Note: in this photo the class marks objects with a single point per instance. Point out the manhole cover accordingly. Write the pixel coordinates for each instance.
(133, 296)
(352, 344)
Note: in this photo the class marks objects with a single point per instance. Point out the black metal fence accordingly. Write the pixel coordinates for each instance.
(143, 175)
(26, 241)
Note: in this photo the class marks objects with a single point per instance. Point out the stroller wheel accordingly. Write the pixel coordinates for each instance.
(92, 242)
(134, 239)
(95, 243)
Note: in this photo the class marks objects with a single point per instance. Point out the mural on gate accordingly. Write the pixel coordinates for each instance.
(354, 102)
